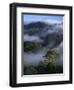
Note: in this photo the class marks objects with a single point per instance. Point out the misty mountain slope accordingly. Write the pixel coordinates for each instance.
(50, 35)
(59, 50)
(43, 48)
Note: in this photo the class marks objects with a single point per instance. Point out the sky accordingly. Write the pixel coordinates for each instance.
(28, 18)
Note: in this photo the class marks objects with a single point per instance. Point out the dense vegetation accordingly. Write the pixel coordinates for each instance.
(32, 46)
(43, 69)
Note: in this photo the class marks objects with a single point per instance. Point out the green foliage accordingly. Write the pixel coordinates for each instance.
(54, 68)
(30, 70)
(52, 56)
(43, 68)
(31, 46)
(51, 68)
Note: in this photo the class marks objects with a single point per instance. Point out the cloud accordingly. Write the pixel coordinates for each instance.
(32, 38)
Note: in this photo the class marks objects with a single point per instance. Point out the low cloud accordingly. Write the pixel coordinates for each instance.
(32, 38)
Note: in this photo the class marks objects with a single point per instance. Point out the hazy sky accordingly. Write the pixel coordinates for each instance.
(27, 18)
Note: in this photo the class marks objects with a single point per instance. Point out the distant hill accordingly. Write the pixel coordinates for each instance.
(38, 24)
(38, 28)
